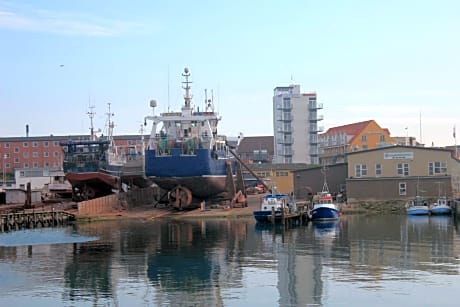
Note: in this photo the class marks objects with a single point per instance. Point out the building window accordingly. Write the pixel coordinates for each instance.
(46, 144)
(261, 155)
(360, 170)
(26, 164)
(7, 145)
(437, 168)
(56, 144)
(56, 154)
(47, 164)
(55, 164)
(25, 154)
(7, 155)
(365, 147)
(403, 169)
(16, 160)
(34, 144)
(281, 174)
(25, 144)
(35, 154)
(35, 165)
(382, 138)
(402, 188)
(7, 165)
(378, 169)
(363, 138)
(356, 147)
(16, 149)
(46, 154)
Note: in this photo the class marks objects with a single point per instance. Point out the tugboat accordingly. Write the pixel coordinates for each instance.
(96, 167)
(187, 158)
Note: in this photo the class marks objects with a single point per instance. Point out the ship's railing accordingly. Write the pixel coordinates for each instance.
(187, 146)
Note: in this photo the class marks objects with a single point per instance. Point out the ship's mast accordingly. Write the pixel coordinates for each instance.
(91, 114)
(187, 97)
(110, 124)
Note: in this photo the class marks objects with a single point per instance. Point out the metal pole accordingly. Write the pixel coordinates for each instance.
(3, 182)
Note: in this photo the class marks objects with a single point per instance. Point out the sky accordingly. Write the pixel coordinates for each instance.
(396, 62)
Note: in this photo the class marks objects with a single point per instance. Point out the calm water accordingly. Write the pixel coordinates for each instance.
(358, 261)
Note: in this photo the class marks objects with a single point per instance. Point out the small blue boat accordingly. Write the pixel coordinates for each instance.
(441, 207)
(324, 207)
(274, 203)
(417, 206)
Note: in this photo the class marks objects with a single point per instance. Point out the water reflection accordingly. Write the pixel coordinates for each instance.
(236, 262)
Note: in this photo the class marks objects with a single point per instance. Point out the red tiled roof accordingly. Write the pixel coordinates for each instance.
(350, 129)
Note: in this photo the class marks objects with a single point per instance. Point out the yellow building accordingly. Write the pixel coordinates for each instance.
(278, 175)
(336, 142)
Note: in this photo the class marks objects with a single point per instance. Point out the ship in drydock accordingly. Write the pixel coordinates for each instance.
(96, 167)
(187, 158)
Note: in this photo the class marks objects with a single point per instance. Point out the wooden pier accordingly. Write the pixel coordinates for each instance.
(22, 220)
(288, 218)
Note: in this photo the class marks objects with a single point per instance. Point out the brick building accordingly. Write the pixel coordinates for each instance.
(45, 151)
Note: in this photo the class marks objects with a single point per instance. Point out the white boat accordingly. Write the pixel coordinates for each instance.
(441, 206)
(417, 206)
(274, 203)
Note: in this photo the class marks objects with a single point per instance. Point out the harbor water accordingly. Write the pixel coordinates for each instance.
(391, 260)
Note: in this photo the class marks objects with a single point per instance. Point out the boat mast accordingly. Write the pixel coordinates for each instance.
(323, 171)
(91, 114)
(110, 125)
(187, 97)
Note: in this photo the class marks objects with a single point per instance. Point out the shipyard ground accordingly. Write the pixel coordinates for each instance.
(150, 212)
(147, 211)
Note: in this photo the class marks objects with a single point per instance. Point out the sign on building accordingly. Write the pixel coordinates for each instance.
(398, 155)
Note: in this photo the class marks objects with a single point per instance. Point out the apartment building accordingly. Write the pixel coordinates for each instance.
(295, 123)
(336, 142)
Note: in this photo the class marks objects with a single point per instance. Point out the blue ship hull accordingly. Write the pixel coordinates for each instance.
(441, 211)
(264, 216)
(418, 211)
(324, 214)
(205, 176)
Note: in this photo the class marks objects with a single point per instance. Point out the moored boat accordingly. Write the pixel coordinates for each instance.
(324, 207)
(417, 206)
(187, 158)
(274, 203)
(441, 206)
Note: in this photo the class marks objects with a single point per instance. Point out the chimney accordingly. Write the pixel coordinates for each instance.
(27, 130)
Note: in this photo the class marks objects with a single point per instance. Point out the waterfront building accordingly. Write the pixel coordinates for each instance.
(336, 142)
(45, 152)
(277, 175)
(310, 181)
(295, 124)
(400, 173)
